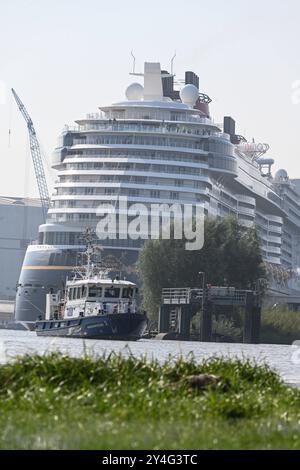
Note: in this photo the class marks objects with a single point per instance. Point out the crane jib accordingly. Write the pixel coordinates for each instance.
(36, 158)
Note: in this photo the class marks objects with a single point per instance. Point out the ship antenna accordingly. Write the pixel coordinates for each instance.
(88, 255)
(172, 63)
(133, 65)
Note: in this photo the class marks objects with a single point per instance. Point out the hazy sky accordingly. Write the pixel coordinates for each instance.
(67, 57)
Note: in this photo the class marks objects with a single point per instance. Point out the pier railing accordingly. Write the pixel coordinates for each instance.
(217, 295)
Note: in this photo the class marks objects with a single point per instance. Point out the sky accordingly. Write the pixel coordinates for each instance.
(65, 58)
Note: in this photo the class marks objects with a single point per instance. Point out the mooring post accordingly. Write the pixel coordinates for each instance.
(248, 317)
(206, 322)
(252, 319)
(256, 318)
(256, 325)
(164, 319)
(184, 312)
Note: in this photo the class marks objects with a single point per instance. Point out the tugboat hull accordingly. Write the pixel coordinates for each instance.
(122, 327)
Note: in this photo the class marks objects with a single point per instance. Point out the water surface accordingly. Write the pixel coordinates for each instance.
(284, 359)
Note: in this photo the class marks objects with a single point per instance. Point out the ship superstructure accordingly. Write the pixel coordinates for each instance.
(160, 145)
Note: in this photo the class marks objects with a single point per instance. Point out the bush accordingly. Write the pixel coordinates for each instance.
(280, 325)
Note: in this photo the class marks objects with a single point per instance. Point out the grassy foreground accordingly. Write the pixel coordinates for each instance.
(58, 402)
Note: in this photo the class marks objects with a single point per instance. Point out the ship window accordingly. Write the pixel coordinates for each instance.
(95, 291)
(127, 293)
(78, 293)
(71, 294)
(112, 293)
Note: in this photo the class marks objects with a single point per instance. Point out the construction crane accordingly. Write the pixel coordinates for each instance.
(36, 158)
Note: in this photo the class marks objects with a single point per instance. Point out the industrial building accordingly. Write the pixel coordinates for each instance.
(19, 222)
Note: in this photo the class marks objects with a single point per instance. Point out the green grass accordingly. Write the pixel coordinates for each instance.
(58, 402)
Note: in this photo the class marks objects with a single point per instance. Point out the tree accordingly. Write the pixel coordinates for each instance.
(231, 255)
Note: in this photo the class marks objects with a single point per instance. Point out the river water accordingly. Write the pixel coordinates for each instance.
(283, 359)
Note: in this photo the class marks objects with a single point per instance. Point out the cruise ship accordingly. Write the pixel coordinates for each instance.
(159, 145)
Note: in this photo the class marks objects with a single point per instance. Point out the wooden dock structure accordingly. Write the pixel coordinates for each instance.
(184, 303)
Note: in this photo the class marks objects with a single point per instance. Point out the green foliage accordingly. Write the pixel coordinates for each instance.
(280, 325)
(226, 330)
(111, 402)
(230, 254)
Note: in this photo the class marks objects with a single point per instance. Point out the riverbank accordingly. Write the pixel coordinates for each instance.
(58, 402)
(279, 326)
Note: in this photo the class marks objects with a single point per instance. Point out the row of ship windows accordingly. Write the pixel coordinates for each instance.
(211, 145)
(74, 238)
(223, 163)
(133, 181)
(289, 201)
(138, 140)
(269, 244)
(81, 217)
(228, 199)
(76, 293)
(286, 235)
(142, 154)
(159, 128)
(128, 192)
(173, 196)
(287, 245)
(226, 210)
(123, 166)
(114, 200)
(134, 168)
(270, 256)
(264, 221)
(294, 214)
(236, 204)
(286, 254)
(158, 115)
(123, 192)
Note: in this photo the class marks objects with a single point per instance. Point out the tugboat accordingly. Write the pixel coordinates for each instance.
(93, 306)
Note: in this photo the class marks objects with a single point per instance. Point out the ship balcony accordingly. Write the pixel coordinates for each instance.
(272, 259)
(269, 238)
(246, 210)
(273, 250)
(159, 115)
(223, 164)
(274, 218)
(272, 239)
(103, 117)
(163, 129)
(246, 199)
(89, 163)
(128, 186)
(159, 143)
(107, 199)
(120, 157)
(264, 225)
(165, 149)
(87, 176)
